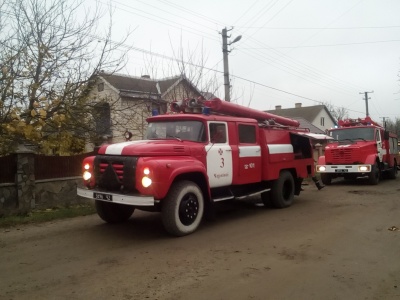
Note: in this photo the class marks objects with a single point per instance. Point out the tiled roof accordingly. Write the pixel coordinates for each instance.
(308, 112)
(139, 84)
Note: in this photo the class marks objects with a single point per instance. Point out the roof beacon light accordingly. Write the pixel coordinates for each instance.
(176, 106)
(206, 111)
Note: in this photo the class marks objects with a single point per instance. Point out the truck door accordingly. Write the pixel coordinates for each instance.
(380, 150)
(219, 155)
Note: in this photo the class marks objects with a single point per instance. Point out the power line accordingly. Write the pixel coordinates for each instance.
(318, 28)
(331, 45)
(241, 78)
(284, 65)
(290, 67)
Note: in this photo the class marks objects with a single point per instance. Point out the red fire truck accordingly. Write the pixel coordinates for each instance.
(360, 147)
(204, 152)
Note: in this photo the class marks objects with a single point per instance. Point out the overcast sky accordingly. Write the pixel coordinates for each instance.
(291, 51)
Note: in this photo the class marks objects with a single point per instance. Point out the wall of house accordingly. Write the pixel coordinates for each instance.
(127, 114)
(328, 123)
(181, 91)
(130, 113)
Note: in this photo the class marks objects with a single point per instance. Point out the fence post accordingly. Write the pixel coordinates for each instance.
(25, 179)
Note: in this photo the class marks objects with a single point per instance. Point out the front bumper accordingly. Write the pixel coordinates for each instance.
(116, 198)
(343, 169)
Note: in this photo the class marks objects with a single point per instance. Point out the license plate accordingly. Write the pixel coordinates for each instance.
(101, 196)
(341, 170)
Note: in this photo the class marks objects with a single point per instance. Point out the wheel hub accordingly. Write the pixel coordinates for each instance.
(188, 209)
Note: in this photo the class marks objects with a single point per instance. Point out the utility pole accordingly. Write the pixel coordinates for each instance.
(384, 120)
(225, 52)
(366, 102)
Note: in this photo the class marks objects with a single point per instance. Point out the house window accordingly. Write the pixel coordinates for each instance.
(322, 121)
(102, 118)
(100, 87)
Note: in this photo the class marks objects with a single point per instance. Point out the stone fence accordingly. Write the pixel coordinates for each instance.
(26, 193)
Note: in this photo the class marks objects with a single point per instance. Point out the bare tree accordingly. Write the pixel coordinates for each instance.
(393, 126)
(50, 53)
(191, 64)
(339, 113)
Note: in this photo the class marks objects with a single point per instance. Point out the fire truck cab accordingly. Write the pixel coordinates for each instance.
(359, 147)
(203, 153)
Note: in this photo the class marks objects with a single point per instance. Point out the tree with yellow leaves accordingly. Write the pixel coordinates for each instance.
(48, 59)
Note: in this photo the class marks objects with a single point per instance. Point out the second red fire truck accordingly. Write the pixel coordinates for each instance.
(205, 152)
(360, 147)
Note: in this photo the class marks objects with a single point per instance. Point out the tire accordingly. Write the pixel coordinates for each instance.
(183, 208)
(326, 179)
(266, 199)
(374, 175)
(282, 192)
(113, 212)
(392, 173)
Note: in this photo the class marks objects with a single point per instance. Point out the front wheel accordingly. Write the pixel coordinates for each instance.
(326, 179)
(113, 212)
(282, 192)
(374, 176)
(183, 208)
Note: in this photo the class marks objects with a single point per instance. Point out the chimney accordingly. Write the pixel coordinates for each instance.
(278, 107)
(146, 76)
(297, 105)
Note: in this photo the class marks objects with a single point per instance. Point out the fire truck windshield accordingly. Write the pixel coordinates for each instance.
(179, 130)
(361, 133)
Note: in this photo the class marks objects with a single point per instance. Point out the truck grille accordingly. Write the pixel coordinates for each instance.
(343, 156)
(115, 173)
(118, 168)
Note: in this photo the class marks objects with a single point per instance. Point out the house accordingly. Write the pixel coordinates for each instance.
(124, 102)
(318, 115)
(317, 119)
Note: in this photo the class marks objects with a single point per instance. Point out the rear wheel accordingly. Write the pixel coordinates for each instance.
(282, 192)
(183, 208)
(113, 212)
(374, 176)
(326, 179)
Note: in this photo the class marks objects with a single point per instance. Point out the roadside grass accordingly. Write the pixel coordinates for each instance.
(46, 215)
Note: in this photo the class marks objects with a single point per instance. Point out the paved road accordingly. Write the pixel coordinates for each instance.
(331, 244)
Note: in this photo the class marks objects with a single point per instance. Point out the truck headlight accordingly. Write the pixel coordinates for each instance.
(87, 175)
(321, 168)
(364, 168)
(146, 181)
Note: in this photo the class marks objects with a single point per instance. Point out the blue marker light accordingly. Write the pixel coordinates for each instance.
(206, 111)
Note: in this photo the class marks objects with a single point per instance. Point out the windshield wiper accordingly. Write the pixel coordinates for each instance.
(174, 137)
